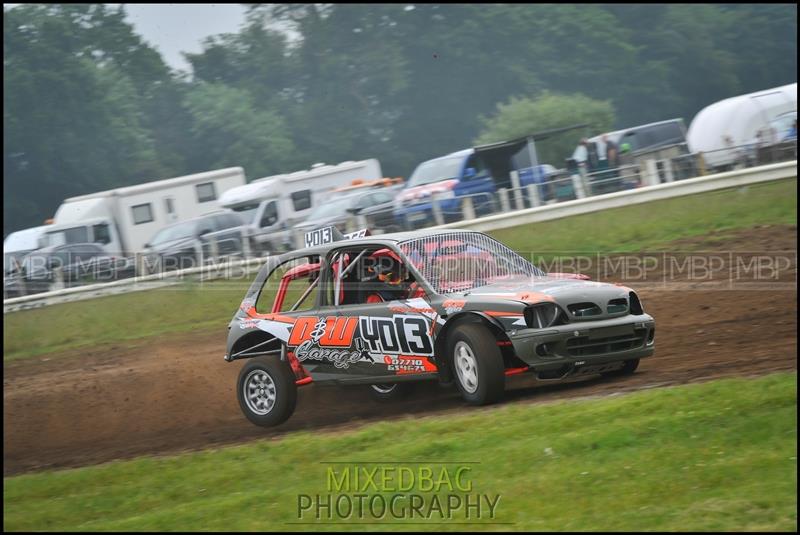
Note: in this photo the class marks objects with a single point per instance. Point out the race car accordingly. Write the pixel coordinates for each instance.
(388, 310)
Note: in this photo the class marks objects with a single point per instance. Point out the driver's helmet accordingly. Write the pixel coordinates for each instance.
(387, 268)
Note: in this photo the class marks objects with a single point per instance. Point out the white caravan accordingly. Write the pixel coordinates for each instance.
(273, 205)
(122, 220)
(737, 121)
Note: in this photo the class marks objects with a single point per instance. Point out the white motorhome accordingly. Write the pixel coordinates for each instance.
(122, 220)
(723, 130)
(273, 205)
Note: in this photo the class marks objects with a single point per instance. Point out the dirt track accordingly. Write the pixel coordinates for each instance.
(175, 392)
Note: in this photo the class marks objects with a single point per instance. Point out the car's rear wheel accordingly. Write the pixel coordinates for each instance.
(477, 363)
(266, 391)
(628, 367)
(390, 391)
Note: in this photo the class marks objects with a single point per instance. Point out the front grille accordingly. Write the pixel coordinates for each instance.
(585, 347)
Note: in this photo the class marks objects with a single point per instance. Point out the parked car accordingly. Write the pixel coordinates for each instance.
(271, 206)
(186, 244)
(373, 201)
(78, 262)
(458, 306)
(449, 178)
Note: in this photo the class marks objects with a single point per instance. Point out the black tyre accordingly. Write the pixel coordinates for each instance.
(266, 391)
(477, 364)
(390, 391)
(627, 369)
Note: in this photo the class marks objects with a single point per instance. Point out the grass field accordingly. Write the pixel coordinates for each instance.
(712, 456)
(123, 319)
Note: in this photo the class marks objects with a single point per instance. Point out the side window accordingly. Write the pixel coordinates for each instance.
(648, 137)
(220, 222)
(365, 201)
(142, 213)
(204, 226)
(270, 216)
(477, 164)
(84, 252)
(292, 286)
(206, 192)
(101, 233)
(301, 199)
(368, 275)
(232, 220)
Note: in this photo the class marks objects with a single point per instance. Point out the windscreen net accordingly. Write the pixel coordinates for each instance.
(460, 261)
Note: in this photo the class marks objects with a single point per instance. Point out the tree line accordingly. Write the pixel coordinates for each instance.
(88, 105)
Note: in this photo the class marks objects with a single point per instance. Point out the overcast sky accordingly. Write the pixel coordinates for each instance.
(176, 28)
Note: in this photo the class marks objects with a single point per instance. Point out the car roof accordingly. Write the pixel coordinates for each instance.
(380, 239)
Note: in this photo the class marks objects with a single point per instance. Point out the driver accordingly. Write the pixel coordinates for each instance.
(388, 278)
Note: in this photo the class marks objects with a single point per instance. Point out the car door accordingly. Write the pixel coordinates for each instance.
(391, 337)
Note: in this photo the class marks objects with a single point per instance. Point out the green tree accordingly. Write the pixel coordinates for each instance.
(230, 130)
(71, 116)
(522, 116)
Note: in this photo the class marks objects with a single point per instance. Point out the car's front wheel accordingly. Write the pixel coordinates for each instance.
(267, 391)
(477, 364)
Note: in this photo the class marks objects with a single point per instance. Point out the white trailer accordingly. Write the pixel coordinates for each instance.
(122, 220)
(273, 205)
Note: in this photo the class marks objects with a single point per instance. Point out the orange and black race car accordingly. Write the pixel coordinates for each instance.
(452, 305)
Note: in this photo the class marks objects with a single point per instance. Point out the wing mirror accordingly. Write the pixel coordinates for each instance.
(470, 173)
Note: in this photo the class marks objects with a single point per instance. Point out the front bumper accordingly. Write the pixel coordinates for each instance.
(587, 343)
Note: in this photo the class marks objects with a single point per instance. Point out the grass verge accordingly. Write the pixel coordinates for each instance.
(120, 319)
(712, 456)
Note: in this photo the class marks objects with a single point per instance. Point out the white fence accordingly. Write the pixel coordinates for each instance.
(742, 177)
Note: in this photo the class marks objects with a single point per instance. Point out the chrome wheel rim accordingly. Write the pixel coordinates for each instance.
(259, 392)
(466, 367)
(384, 388)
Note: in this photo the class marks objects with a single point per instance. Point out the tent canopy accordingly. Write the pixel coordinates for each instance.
(737, 120)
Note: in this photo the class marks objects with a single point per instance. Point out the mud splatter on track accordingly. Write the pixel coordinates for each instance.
(175, 392)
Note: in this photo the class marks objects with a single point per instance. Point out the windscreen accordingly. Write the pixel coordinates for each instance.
(183, 230)
(333, 207)
(435, 171)
(460, 261)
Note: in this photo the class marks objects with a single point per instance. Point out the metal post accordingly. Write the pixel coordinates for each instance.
(651, 173)
(468, 208)
(214, 249)
(246, 250)
(578, 183)
(297, 237)
(58, 279)
(668, 173)
(505, 206)
(515, 184)
(437, 209)
(533, 194)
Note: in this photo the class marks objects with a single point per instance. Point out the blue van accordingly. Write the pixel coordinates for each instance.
(452, 177)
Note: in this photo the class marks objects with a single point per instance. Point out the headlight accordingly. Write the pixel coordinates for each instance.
(636, 304)
(542, 315)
